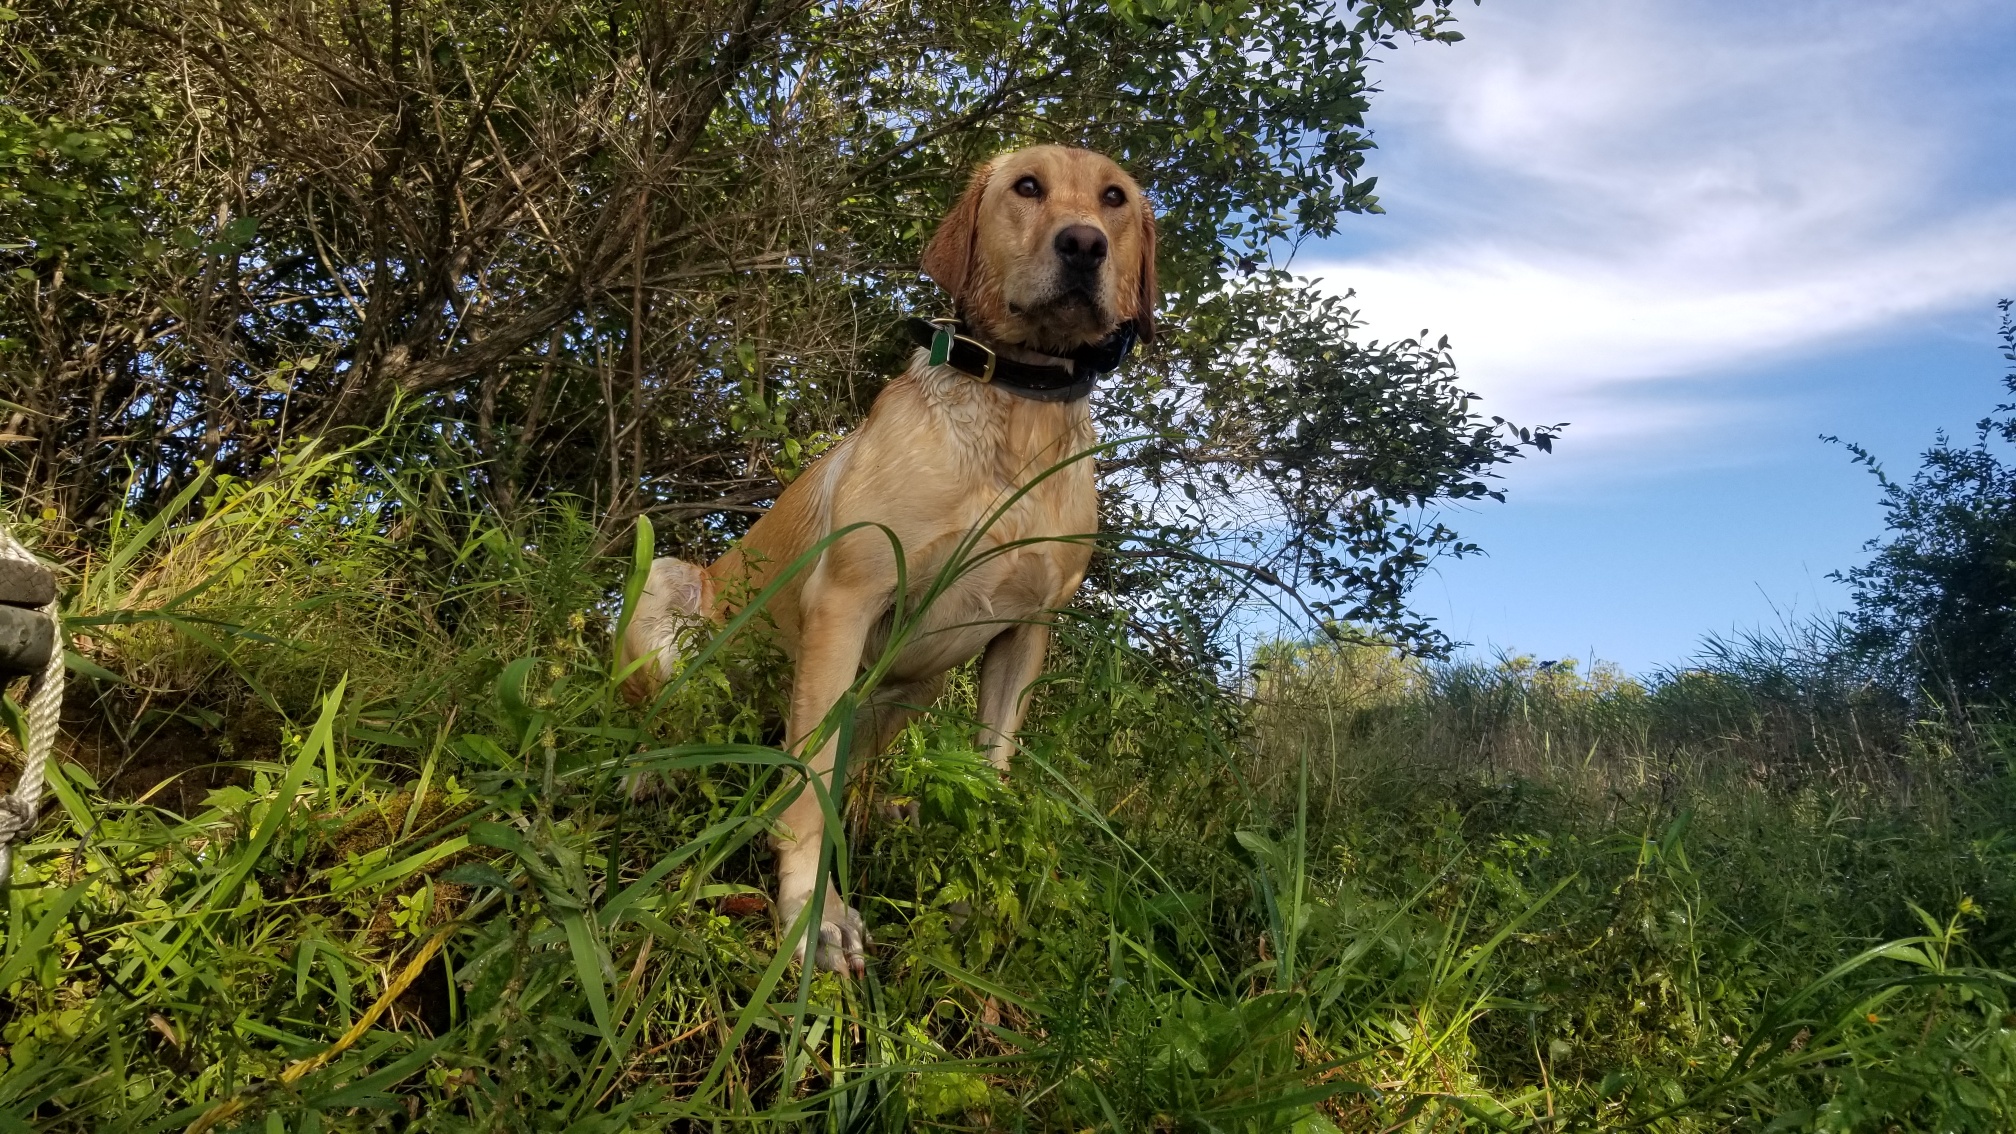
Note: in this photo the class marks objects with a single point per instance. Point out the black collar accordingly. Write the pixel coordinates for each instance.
(951, 345)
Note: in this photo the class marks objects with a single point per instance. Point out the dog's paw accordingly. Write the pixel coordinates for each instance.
(843, 938)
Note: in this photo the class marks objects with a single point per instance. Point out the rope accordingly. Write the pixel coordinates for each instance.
(20, 809)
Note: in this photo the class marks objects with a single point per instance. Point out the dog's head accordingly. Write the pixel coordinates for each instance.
(1050, 248)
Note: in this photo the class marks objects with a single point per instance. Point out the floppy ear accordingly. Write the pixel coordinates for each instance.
(1151, 295)
(948, 259)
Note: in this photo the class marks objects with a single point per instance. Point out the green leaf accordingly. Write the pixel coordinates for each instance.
(511, 692)
(26, 949)
(359, 1091)
(499, 836)
(476, 874)
(590, 961)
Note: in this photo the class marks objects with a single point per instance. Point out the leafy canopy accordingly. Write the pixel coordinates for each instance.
(652, 256)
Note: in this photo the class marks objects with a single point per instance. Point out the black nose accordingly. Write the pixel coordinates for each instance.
(1081, 247)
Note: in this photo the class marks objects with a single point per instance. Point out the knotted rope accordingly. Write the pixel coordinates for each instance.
(21, 807)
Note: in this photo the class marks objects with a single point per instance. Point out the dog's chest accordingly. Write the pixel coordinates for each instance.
(1020, 567)
(1013, 505)
(1024, 472)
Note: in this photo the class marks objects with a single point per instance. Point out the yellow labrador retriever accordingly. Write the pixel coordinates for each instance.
(1050, 257)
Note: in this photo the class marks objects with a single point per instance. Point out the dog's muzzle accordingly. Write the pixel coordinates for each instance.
(1082, 251)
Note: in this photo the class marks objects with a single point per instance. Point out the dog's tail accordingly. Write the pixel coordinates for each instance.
(673, 613)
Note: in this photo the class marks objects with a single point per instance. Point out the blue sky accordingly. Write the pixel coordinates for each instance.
(1704, 233)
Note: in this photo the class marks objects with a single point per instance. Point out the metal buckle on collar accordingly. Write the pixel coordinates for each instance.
(948, 333)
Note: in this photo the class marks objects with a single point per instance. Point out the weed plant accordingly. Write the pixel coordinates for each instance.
(412, 889)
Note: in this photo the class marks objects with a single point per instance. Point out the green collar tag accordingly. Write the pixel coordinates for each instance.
(941, 345)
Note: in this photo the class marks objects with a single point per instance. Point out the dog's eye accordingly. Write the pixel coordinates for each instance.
(1114, 196)
(1028, 187)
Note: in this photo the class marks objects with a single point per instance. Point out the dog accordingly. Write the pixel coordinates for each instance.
(1049, 257)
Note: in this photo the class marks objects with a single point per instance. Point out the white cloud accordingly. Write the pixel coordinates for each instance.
(1589, 195)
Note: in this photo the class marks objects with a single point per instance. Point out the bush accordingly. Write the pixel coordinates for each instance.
(1937, 602)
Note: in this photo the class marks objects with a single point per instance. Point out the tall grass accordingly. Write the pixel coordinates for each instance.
(411, 890)
(1785, 709)
(1735, 829)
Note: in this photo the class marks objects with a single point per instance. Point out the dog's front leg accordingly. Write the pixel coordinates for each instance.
(1013, 661)
(836, 625)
